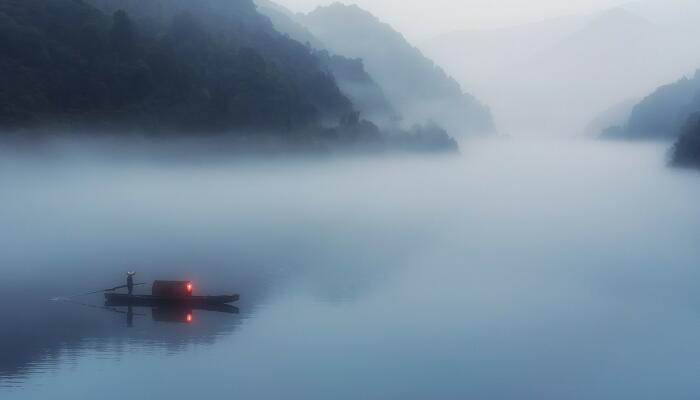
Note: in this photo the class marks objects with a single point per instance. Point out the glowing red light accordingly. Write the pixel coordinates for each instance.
(189, 318)
(189, 287)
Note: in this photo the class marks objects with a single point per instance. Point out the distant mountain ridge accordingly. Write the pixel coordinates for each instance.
(556, 75)
(417, 88)
(351, 75)
(671, 112)
(285, 22)
(666, 111)
(663, 113)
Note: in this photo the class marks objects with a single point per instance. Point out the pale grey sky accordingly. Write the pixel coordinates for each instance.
(421, 19)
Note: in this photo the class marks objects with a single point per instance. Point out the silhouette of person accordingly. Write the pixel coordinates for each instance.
(130, 281)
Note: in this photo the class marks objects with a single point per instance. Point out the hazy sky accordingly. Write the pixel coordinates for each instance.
(421, 19)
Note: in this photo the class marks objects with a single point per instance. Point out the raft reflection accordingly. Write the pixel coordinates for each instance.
(173, 314)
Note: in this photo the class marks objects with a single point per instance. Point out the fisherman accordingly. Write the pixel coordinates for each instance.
(130, 281)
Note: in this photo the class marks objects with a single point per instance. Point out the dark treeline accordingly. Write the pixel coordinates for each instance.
(686, 152)
(163, 67)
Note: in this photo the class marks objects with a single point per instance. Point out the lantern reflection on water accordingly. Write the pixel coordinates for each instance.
(172, 314)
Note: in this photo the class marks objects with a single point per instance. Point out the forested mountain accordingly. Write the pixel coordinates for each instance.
(417, 88)
(686, 152)
(237, 15)
(176, 66)
(238, 24)
(67, 62)
(662, 114)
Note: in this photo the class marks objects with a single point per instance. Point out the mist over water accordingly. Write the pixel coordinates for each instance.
(516, 270)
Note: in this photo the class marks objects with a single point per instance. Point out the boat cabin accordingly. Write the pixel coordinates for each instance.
(172, 288)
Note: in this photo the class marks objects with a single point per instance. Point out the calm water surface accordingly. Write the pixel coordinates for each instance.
(516, 271)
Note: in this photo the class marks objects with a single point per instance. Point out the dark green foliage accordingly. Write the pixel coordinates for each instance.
(686, 152)
(237, 24)
(429, 137)
(64, 62)
(354, 133)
